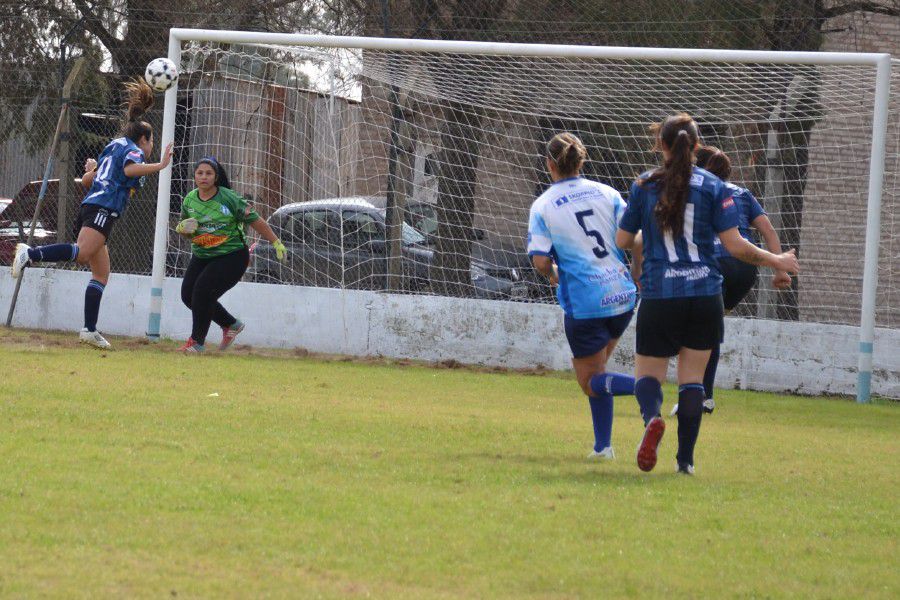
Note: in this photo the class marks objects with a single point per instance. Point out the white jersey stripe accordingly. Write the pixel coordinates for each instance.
(670, 247)
(693, 252)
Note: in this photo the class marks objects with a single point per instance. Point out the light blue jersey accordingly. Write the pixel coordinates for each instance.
(111, 188)
(575, 222)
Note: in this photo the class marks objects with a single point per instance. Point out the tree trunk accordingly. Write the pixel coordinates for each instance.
(460, 140)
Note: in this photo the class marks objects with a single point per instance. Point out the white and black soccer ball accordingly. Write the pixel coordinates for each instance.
(161, 74)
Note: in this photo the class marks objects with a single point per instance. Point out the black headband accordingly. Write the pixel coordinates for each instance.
(209, 160)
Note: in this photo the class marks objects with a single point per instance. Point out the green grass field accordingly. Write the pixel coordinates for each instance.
(142, 473)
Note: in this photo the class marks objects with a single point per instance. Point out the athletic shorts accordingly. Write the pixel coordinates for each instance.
(96, 217)
(589, 336)
(739, 278)
(666, 325)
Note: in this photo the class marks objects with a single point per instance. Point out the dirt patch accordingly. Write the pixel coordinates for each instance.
(32, 338)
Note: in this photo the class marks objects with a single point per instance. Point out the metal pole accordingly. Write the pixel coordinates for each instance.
(873, 230)
(161, 236)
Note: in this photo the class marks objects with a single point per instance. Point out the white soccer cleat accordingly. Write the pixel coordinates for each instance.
(606, 454)
(20, 260)
(685, 469)
(93, 338)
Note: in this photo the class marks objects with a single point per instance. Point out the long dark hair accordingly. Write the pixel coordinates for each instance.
(567, 152)
(139, 99)
(678, 135)
(221, 174)
(715, 161)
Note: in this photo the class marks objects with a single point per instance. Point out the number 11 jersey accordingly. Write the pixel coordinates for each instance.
(575, 223)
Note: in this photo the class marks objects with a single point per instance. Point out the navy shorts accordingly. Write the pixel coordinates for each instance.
(589, 336)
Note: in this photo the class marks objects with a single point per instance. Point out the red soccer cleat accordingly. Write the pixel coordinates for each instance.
(192, 347)
(229, 333)
(653, 434)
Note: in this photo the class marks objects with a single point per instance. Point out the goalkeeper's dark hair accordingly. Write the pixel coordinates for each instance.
(138, 100)
(567, 152)
(679, 136)
(715, 161)
(221, 174)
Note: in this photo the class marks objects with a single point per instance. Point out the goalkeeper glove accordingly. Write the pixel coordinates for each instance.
(280, 250)
(188, 226)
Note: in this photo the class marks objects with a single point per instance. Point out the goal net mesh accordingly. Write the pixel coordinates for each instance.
(414, 172)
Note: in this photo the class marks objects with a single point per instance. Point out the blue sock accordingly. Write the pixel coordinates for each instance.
(54, 253)
(709, 378)
(649, 396)
(602, 415)
(92, 296)
(613, 383)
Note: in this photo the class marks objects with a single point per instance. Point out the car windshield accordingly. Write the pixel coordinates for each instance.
(411, 235)
(12, 227)
(423, 218)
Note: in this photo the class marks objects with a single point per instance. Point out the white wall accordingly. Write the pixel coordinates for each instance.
(808, 358)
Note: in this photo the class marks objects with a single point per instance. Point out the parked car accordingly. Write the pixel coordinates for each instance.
(502, 259)
(17, 213)
(341, 242)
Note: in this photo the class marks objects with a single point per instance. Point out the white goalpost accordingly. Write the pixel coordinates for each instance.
(408, 166)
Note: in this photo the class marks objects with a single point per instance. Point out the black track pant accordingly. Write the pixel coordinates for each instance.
(205, 280)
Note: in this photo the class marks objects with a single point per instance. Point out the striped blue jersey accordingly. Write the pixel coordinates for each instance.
(685, 266)
(111, 188)
(575, 222)
(748, 209)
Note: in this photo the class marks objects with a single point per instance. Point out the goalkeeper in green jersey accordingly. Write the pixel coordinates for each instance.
(213, 217)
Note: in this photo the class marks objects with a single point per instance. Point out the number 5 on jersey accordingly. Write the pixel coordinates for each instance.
(598, 252)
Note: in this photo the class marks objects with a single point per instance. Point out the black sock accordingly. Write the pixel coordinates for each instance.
(709, 378)
(92, 296)
(690, 413)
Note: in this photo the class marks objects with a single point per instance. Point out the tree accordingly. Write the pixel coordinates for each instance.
(118, 38)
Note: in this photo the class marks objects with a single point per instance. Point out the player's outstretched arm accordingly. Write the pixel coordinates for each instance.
(743, 250)
(139, 170)
(763, 225)
(263, 229)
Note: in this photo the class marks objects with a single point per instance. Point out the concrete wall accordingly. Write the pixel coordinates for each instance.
(807, 358)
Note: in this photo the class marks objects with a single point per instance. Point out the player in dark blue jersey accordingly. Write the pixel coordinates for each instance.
(571, 228)
(680, 210)
(112, 181)
(738, 277)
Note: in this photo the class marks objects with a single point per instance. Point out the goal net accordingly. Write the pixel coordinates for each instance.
(413, 171)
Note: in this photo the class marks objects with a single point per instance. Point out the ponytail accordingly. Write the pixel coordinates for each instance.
(567, 152)
(678, 135)
(139, 99)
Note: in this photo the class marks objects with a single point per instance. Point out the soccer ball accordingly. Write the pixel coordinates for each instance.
(161, 74)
